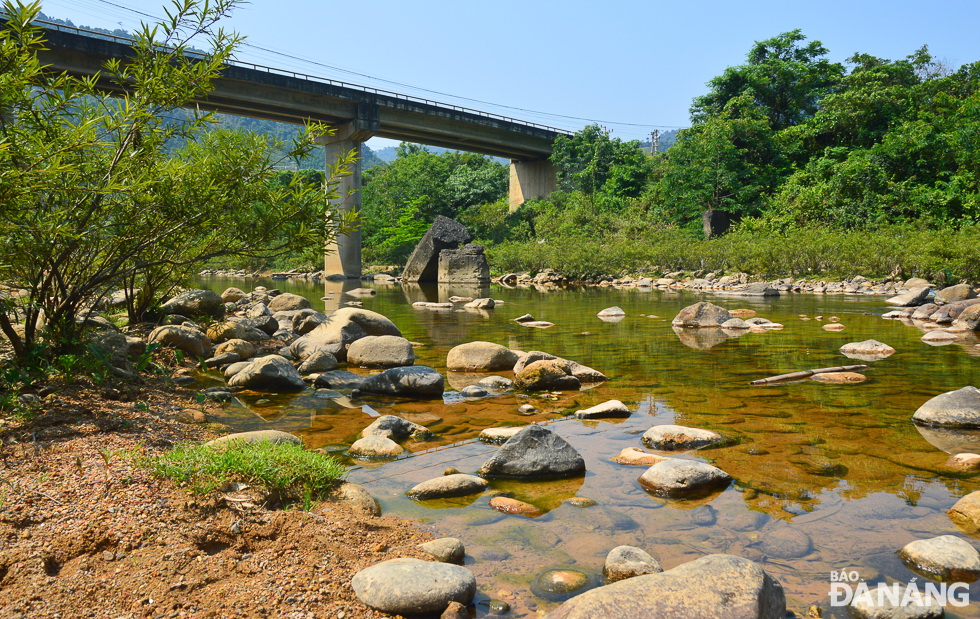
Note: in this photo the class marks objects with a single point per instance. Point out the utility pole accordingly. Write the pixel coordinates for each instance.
(655, 141)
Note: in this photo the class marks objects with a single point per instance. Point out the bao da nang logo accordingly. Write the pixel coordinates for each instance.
(847, 588)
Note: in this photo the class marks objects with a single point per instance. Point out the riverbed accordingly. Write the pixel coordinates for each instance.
(842, 464)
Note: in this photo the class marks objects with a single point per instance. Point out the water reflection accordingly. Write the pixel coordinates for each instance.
(842, 464)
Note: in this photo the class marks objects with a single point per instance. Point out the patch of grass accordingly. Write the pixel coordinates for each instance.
(289, 470)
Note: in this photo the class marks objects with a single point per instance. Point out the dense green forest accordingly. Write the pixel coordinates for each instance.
(870, 168)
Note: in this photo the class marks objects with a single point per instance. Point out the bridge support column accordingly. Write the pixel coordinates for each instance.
(531, 179)
(343, 254)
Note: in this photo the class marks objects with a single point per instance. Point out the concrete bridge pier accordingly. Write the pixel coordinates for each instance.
(343, 255)
(531, 179)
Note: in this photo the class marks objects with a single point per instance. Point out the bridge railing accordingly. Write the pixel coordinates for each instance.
(313, 78)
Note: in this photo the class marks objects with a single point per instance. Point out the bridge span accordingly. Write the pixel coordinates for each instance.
(357, 113)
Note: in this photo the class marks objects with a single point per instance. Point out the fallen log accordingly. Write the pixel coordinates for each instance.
(807, 373)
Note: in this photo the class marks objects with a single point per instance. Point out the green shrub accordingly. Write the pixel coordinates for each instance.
(288, 470)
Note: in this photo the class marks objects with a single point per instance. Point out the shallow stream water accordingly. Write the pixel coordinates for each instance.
(843, 464)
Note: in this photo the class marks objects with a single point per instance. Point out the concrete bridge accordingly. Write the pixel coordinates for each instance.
(356, 112)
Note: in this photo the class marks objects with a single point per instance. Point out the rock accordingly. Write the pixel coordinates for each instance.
(612, 312)
(960, 408)
(191, 416)
(318, 362)
(524, 318)
(445, 549)
(735, 323)
(839, 378)
(969, 318)
(948, 313)
(547, 375)
(677, 478)
(113, 346)
(674, 438)
(232, 295)
(484, 303)
(534, 453)
(537, 324)
(456, 484)
(508, 505)
(965, 513)
(945, 557)
(498, 436)
(223, 331)
(392, 427)
(245, 350)
(526, 409)
(634, 457)
(580, 502)
(196, 303)
(786, 543)
(361, 292)
(455, 610)
(276, 437)
(496, 383)
(271, 373)
(480, 357)
(375, 446)
(833, 327)
(359, 498)
(624, 562)
(867, 606)
(418, 381)
(423, 264)
(923, 312)
(959, 292)
(186, 339)
(744, 314)
(413, 587)
(712, 586)
(559, 584)
(701, 315)
(466, 265)
(235, 368)
(757, 289)
(612, 408)
(967, 462)
(339, 379)
(868, 350)
(222, 359)
(473, 391)
(288, 301)
(938, 336)
(381, 351)
(913, 297)
(343, 327)
(266, 324)
(916, 282)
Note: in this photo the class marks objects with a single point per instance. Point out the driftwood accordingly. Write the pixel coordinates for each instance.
(807, 374)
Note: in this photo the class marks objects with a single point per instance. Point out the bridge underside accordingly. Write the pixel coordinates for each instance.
(358, 114)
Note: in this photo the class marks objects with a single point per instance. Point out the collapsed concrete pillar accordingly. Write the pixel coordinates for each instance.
(531, 179)
(343, 254)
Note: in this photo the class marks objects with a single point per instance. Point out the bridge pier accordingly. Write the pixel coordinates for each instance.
(343, 254)
(531, 179)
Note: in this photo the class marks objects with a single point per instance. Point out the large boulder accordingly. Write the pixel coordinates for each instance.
(413, 586)
(381, 351)
(969, 319)
(946, 314)
(233, 295)
(701, 315)
(678, 478)
(960, 408)
(480, 357)
(913, 297)
(272, 373)
(712, 586)
(534, 453)
(196, 303)
(423, 264)
(186, 339)
(959, 292)
(417, 381)
(288, 301)
(342, 328)
(466, 265)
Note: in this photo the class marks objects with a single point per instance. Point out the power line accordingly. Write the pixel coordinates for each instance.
(417, 88)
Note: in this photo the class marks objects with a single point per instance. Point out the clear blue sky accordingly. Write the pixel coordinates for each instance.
(638, 62)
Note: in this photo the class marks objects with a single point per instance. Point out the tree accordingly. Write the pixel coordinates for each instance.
(90, 200)
(591, 161)
(784, 79)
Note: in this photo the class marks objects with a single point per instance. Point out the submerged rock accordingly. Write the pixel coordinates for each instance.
(674, 438)
(559, 584)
